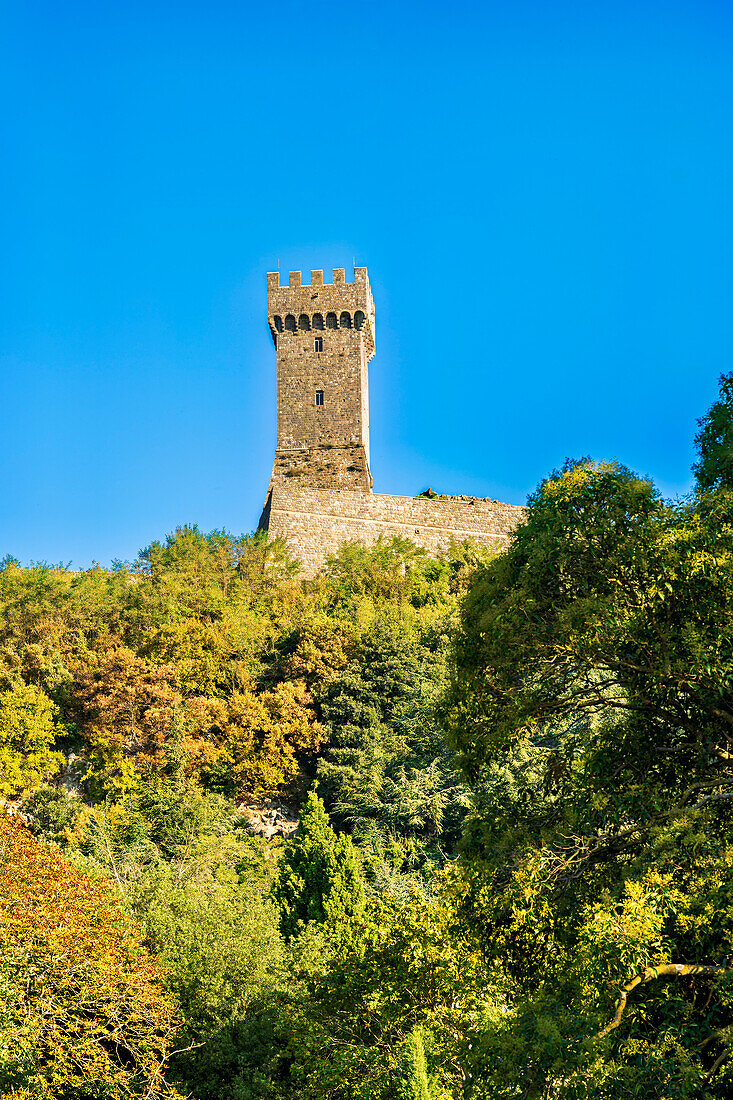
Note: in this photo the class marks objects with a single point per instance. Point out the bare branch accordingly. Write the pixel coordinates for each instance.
(712, 798)
(666, 970)
(720, 781)
(716, 1066)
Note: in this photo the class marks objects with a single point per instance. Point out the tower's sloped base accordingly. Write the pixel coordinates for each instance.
(325, 467)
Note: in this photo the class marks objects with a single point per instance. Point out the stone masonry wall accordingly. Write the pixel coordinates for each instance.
(326, 466)
(338, 372)
(315, 522)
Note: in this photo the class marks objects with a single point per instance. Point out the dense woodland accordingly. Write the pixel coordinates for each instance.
(513, 873)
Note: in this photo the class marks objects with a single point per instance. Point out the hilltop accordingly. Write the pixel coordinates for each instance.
(512, 872)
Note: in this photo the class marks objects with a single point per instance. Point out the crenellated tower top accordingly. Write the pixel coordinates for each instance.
(317, 305)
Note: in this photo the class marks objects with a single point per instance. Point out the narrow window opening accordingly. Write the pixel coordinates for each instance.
(319, 343)
(319, 397)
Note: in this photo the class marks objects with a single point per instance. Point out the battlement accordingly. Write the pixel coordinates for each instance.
(295, 279)
(299, 306)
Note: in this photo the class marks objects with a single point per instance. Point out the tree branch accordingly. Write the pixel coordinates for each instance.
(712, 798)
(716, 1066)
(720, 781)
(666, 970)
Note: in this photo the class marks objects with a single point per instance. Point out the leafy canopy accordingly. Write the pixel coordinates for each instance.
(28, 731)
(714, 441)
(592, 707)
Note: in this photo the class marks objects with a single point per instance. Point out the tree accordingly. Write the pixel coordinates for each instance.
(83, 1012)
(412, 1073)
(592, 708)
(28, 729)
(388, 1005)
(53, 814)
(318, 878)
(386, 764)
(205, 671)
(223, 955)
(391, 569)
(714, 441)
(268, 735)
(127, 707)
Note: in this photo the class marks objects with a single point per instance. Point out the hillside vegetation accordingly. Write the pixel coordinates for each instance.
(513, 873)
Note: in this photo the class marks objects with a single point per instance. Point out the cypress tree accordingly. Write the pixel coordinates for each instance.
(319, 878)
(412, 1076)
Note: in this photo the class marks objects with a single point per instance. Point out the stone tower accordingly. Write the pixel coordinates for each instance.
(320, 493)
(324, 341)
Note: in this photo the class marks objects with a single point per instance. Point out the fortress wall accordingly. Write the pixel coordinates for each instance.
(316, 521)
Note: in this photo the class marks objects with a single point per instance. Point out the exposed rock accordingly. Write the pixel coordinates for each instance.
(270, 819)
(76, 769)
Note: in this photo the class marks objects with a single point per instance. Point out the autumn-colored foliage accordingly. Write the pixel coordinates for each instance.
(127, 705)
(538, 905)
(82, 1013)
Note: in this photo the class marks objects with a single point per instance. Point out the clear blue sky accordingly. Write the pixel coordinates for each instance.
(541, 192)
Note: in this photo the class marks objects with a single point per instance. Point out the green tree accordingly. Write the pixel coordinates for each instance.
(592, 707)
(318, 877)
(386, 763)
(387, 1004)
(224, 960)
(714, 441)
(28, 729)
(52, 814)
(411, 1081)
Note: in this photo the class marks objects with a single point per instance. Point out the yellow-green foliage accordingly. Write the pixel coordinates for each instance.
(592, 708)
(208, 641)
(539, 905)
(28, 729)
